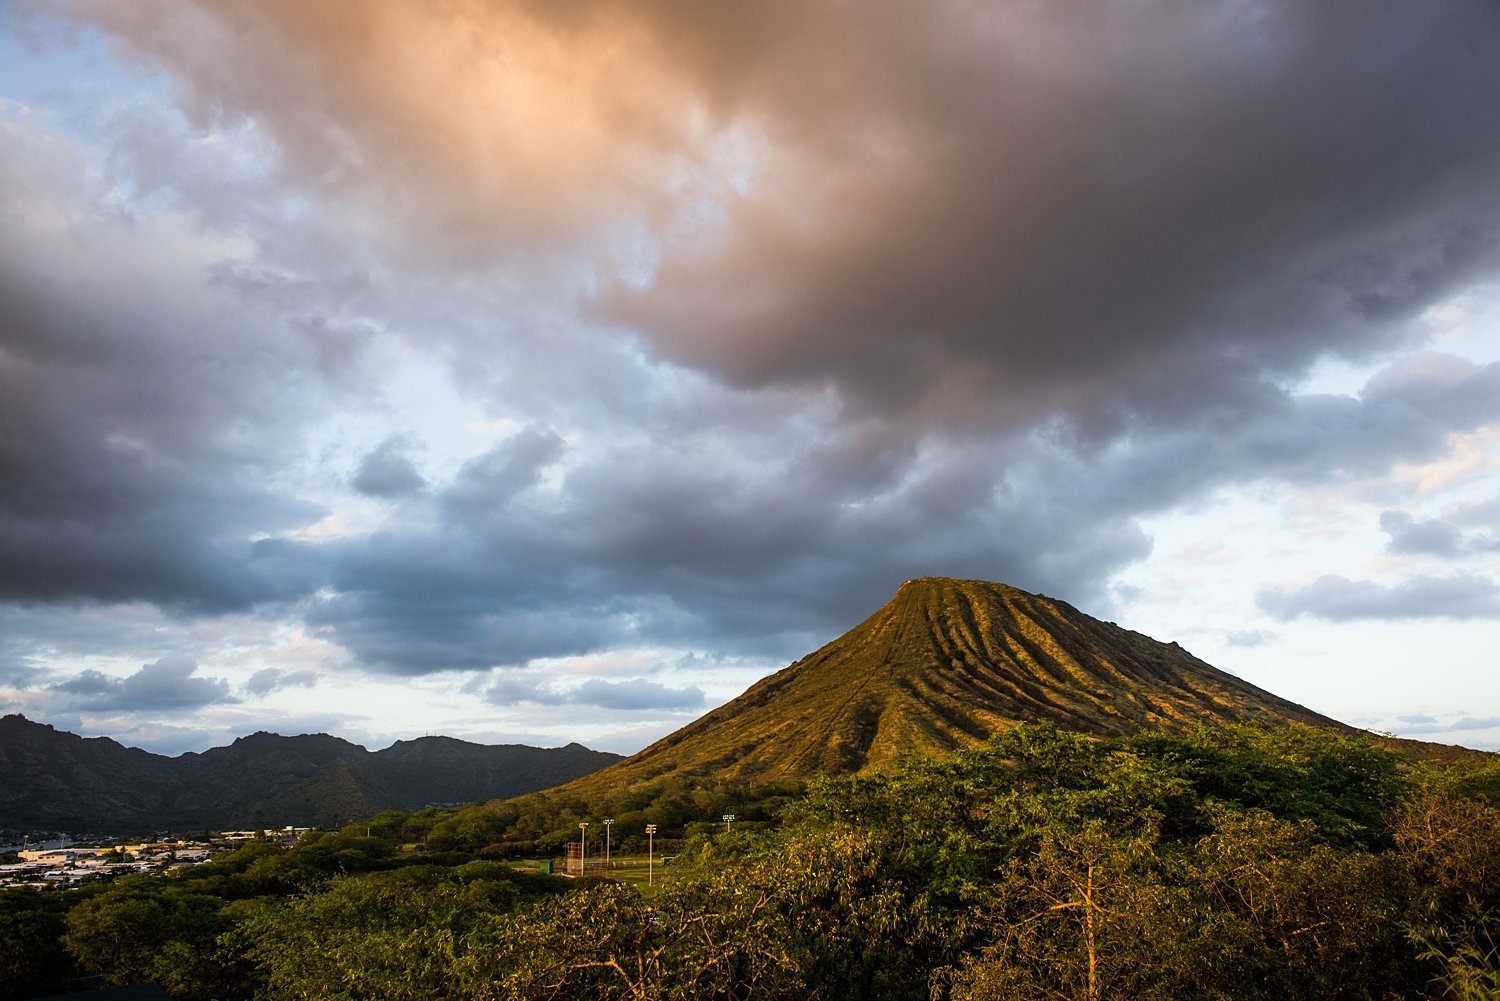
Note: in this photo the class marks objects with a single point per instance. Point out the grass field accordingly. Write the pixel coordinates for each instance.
(635, 871)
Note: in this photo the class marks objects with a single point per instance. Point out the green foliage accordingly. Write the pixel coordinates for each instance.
(1300, 918)
(1257, 909)
(1467, 958)
(1344, 783)
(701, 940)
(1480, 783)
(32, 957)
(542, 824)
(141, 931)
(388, 935)
(1228, 863)
(1089, 915)
(1451, 843)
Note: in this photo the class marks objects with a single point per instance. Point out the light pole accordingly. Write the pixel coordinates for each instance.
(608, 821)
(650, 854)
(728, 819)
(583, 845)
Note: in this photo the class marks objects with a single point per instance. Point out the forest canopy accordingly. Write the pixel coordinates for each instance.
(1220, 863)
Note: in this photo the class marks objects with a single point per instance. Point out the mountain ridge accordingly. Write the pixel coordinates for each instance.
(54, 779)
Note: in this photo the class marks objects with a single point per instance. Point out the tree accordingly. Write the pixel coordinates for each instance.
(1452, 844)
(1088, 916)
(390, 935)
(698, 940)
(139, 931)
(32, 958)
(1299, 918)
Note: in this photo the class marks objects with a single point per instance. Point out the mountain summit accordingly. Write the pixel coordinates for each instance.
(943, 665)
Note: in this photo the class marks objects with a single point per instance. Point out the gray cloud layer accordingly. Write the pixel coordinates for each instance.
(966, 293)
(1339, 599)
(387, 472)
(637, 693)
(1101, 211)
(1432, 536)
(166, 685)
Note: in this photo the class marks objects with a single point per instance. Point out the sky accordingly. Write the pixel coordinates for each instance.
(547, 371)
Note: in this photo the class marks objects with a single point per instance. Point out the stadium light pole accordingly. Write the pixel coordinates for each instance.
(607, 823)
(650, 854)
(583, 846)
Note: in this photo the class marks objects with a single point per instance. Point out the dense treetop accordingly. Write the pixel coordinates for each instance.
(1216, 863)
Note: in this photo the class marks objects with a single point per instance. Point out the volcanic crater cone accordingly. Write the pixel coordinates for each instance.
(943, 665)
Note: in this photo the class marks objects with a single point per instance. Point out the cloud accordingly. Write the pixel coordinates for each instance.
(168, 685)
(270, 679)
(775, 324)
(1417, 719)
(973, 234)
(509, 691)
(539, 548)
(1339, 599)
(386, 472)
(1250, 638)
(634, 694)
(696, 546)
(488, 481)
(128, 388)
(1432, 536)
(1481, 514)
(972, 217)
(1427, 725)
(1410, 535)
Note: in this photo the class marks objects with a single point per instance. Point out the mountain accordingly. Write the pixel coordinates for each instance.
(51, 778)
(445, 770)
(54, 780)
(943, 665)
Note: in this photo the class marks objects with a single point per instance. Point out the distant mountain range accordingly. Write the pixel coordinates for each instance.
(54, 780)
(943, 665)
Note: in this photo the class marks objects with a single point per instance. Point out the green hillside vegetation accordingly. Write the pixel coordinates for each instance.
(942, 666)
(1228, 862)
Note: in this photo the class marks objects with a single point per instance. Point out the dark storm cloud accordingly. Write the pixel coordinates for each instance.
(167, 685)
(20, 672)
(971, 215)
(984, 284)
(140, 418)
(688, 545)
(387, 472)
(1339, 599)
(1405, 413)
(776, 546)
(988, 214)
(487, 482)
